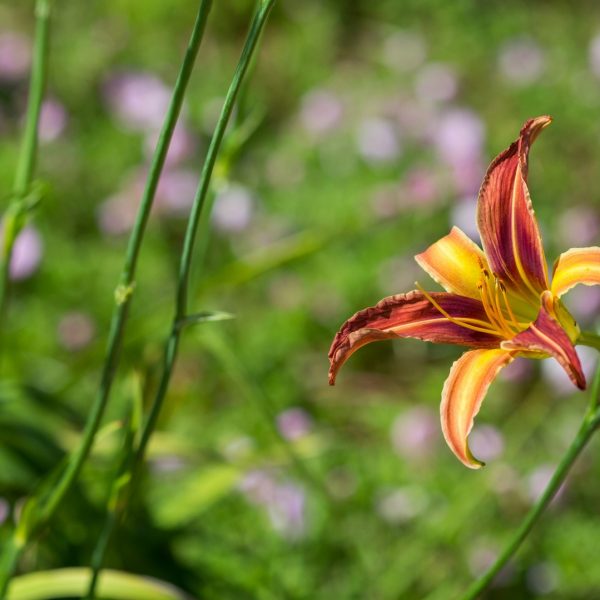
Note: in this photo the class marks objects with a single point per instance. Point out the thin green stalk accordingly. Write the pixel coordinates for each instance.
(181, 318)
(13, 219)
(587, 429)
(587, 338)
(125, 288)
(198, 207)
(99, 551)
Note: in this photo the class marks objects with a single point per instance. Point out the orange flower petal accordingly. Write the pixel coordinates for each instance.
(412, 315)
(455, 262)
(507, 224)
(548, 337)
(464, 390)
(577, 265)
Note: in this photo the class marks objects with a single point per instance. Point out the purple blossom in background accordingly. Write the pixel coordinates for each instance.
(404, 51)
(258, 486)
(458, 137)
(377, 141)
(386, 201)
(521, 61)
(420, 188)
(321, 111)
(395, 274)
(584, 304)
(415, 432)
(116, 215)
(75, 331)
(139, 101)
(578, 226)
(27, 254)
(287, 511)
(542, 578)
(518, 370)
(486, 442)
(285, 503)
(294, 423)
(183, 145)
(594, 55)
(558, 379)
(53, 120)
(481, 559)
(239, 448)
(415, 118)
(176, 191)
(401, 505)
(15, 56)
(463, 214)
(168, 463)
(4, 510)
(233, 209)
(538, 480)
(436, 82)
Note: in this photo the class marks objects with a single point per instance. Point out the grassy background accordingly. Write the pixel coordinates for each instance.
(366, 501)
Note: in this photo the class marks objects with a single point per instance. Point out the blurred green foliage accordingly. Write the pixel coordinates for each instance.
(343, 180)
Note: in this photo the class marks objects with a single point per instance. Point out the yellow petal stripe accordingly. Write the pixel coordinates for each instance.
(577, 265)
(455, 262)
(464, 390)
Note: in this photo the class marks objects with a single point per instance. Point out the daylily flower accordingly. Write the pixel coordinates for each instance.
(498, 301)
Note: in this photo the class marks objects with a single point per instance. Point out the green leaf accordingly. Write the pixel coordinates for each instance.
(195, 494)
(72, 583)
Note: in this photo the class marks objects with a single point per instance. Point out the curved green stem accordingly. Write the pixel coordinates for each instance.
(197, 212)
(586, 430)
(587, 338)
(124, 292)
(13, 219)
(180, 316)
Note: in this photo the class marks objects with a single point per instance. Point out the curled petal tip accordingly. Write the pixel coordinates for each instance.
(533, 127)
(463, 393)
(475, 464)
(411, 315)
(538, 123)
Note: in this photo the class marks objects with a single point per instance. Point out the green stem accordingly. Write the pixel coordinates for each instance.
(99, 551)
(124, 291)
(588, 427)
(27, 156)
(587, 338)
(197, 211)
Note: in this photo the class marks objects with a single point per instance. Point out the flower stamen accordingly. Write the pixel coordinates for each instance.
(465, 322)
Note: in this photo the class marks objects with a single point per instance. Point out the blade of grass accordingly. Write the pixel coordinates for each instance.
(71, 583)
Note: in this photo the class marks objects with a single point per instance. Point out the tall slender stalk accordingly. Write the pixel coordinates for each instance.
(124, 291)
(588, 427)
(13, 219)
(180, 317)
(198, 208)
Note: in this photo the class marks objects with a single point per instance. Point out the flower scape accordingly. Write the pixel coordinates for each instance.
(499, 301)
